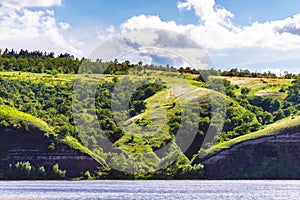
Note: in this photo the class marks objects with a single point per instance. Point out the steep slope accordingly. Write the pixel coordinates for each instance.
(24, 138)
(272, 153)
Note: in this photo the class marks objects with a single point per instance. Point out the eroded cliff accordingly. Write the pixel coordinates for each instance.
(273, 157)
(40, 150)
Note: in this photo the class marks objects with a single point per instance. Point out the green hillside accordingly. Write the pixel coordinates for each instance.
(141, 121)
(12, 118)
(21, 132)
(288, 125)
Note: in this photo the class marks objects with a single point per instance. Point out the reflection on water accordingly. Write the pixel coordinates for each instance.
(141, 190)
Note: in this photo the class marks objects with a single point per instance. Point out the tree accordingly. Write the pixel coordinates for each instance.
(190, 172)
(245, 91)
(116, 63)
(137, 107)
(140, 66)
(267, 118)
(279, 115)
(140, 63)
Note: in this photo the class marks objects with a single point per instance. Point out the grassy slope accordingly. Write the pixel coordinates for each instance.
(158, 107)
(256, 83)
(164, 100)
(19, 119)
(54, 79)
(186, 90)
(16, 119)
(74, 144)
(260, 87)
(288, 125)
(266, 87)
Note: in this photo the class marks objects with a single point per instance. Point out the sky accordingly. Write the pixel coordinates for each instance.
(259, 35)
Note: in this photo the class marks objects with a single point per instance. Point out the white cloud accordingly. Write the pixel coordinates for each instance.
(110, 29)
(36, 29)
(153, 46)
(30, 3)
(64, 26)
(16, 25)
(208, 12)
(217, 31)
(143, 21)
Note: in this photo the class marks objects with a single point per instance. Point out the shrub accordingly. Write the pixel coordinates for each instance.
(87, 175)
(58, 173)
(51, 147)
(245, 91)
(41, 172)
(24, 170)
(190, 172)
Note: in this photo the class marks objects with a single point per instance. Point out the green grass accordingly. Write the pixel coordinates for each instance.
(264, 87)
(13, 121)
(180, 89)
(74, 144)
(272, 92)
(53, 79)
(159, 107)
(157, 131)
(155, 112)
(20, 120)
(256, 83)
(17, 119)
(284, 126)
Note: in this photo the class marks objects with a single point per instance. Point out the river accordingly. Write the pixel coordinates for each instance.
(143, 190)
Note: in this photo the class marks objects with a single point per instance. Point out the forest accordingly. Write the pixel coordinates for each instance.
(41, 86)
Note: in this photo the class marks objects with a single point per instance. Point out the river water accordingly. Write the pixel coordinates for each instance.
(142, 190)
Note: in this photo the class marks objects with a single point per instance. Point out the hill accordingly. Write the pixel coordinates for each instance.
(271, 153)
(133, 121)
(30, 149)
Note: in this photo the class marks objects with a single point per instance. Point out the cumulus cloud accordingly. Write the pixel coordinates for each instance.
(208, 12)
(151, 21)
(292, 28)
(216, 30)
(64, 26)
(154, 46)
(23, 27)
(152, 56)
(30, 3)
(110, 29)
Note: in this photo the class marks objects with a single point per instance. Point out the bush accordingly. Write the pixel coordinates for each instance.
(41, 172)
(245, 91)
(60, 174)
(279, 115)
(190, 172)
(23, 170)
(87, 175)
(51, 147)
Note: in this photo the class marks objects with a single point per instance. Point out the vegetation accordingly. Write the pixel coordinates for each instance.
(124, 126)
(11, 117)
(288, 125)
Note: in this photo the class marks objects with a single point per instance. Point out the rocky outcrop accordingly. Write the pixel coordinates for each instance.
(273, 157)
(42, 151)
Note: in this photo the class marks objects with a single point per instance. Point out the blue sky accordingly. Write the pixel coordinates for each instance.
(80, 13)
(261, 11)
(260, 35)
(100, 12)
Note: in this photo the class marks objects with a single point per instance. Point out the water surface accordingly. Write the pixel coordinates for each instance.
(142, 190)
